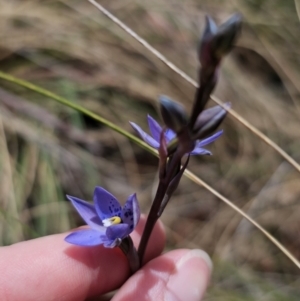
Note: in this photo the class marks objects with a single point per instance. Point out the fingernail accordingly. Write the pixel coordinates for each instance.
(190, 278)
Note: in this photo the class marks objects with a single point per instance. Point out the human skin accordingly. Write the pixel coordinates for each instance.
(48, 268)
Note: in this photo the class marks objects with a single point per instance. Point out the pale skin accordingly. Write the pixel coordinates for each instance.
(48, 268)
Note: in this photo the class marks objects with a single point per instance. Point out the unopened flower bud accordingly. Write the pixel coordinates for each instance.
(173, 114)
(211, 27)
(208, 121)
(204, 52)
(226, 36)
(216, 42)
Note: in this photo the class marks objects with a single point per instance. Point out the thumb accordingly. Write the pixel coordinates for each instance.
(179, 275)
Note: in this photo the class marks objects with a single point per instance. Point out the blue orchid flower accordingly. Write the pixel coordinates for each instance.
(156, 129)
(109, 222)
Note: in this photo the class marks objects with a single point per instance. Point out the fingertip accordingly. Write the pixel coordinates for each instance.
(72, 271)
(191, 277)
(178, 276)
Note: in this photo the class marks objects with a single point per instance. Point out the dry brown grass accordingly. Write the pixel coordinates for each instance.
(48, 150)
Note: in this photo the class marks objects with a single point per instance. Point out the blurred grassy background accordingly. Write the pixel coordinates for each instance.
(47, 150)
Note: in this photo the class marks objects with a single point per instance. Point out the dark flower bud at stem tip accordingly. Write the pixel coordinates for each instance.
(210, 31)
(208, 121)
(211, 27)
(173, 114)
(216, 42)
(226, 36)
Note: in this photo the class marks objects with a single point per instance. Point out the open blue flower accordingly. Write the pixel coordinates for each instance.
(156, 129)
(109, 222)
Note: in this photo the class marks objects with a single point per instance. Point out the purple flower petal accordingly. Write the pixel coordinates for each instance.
(131, 212)
(147, 138)
(169, 134)
(88, 237)
(209, 139)
(106, 204)
(87, 212)
(155, 128)
(200, 151)
(117, 231)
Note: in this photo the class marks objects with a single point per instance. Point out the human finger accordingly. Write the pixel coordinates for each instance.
(48, 268)
(179, 275)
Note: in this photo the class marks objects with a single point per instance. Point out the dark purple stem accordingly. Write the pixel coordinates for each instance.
(207, 82)
(155, 210)
(130, 252)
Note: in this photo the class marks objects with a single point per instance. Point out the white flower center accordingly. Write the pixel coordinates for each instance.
(111, 221)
